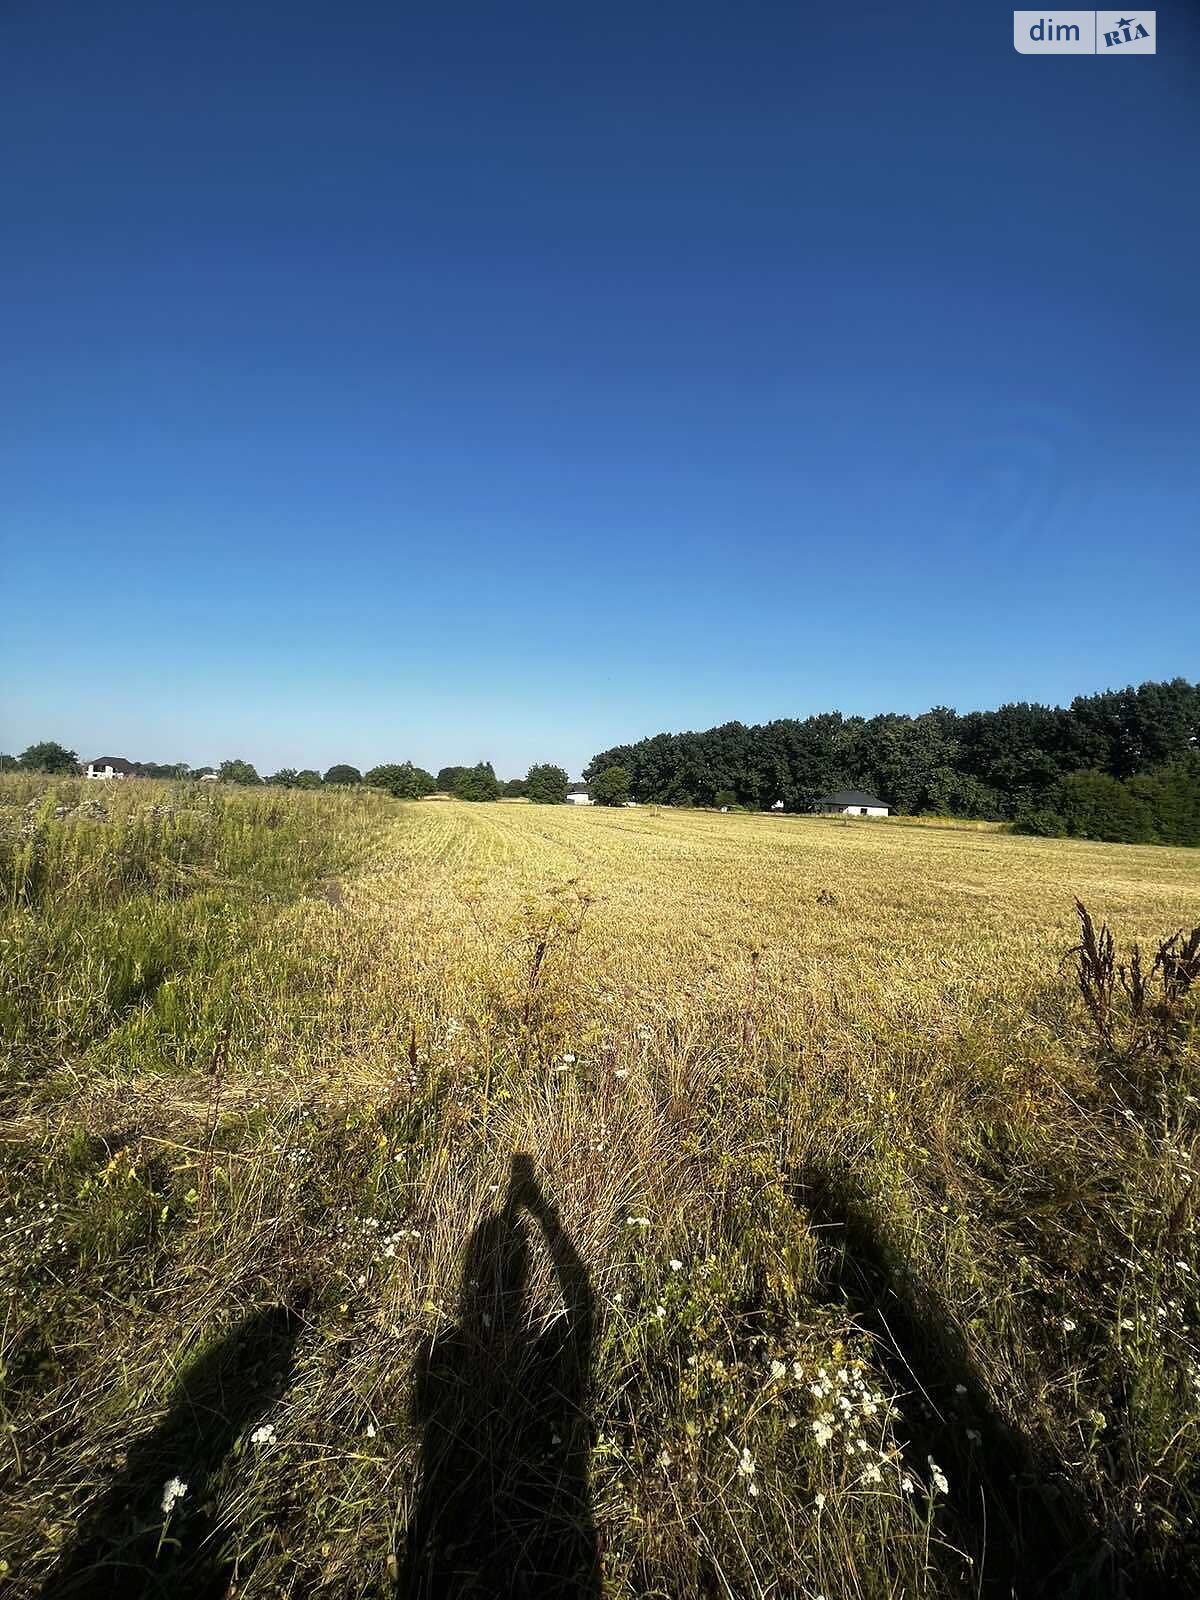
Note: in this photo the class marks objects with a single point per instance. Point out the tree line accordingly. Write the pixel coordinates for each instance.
(1122, 764)
(543, 784)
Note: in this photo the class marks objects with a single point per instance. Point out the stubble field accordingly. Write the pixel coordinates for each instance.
(853, 1254)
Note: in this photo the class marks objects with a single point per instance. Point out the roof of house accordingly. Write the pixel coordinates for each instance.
(578, 788)
(850, 797)
(117, 763)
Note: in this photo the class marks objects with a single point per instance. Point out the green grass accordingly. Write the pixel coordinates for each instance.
(908, 1218)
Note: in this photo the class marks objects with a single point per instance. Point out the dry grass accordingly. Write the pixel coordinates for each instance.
(839, 1069)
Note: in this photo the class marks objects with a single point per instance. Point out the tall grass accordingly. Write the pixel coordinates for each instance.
(890, 1249)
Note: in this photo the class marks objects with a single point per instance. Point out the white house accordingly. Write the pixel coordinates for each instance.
(110, 767)
(851, 803)
(579, 795)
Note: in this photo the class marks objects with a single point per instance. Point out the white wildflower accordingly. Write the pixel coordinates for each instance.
(819, 1502)
(264, 1435)
(173, 1492)
(675, 1265)
(940, 1482)
(778, 1370)
(1068, 1325)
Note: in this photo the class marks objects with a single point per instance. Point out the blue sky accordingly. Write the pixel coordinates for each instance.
(463, 381)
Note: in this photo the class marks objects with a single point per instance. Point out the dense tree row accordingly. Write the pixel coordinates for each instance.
(1007, 763)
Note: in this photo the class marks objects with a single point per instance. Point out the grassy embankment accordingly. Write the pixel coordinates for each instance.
(880, 1232)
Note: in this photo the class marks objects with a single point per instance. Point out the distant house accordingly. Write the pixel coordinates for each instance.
(110, 767)
(851, 803)
(578, 794)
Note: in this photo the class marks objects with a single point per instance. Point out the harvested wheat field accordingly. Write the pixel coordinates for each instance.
(486, 1199)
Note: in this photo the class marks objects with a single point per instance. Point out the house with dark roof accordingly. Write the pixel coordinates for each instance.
(578, 794)
(110, 767)
(851, 803)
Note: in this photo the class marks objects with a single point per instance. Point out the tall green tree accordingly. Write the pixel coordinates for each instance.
(447, 779)
(610, 787)
(285, 778)
(237, 772)
(49, 756)
(477, 783)
(514, 789)
(547, 785)
(401, 779)
(342, 773)
(308, 778)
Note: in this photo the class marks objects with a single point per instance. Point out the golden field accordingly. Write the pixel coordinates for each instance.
(886, 1257)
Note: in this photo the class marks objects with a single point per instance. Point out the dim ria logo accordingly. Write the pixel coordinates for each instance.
(1084, 33)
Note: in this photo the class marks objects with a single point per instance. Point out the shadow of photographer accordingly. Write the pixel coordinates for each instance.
(503, 1507)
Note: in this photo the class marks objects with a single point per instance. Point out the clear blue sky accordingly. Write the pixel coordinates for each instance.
(503, 381)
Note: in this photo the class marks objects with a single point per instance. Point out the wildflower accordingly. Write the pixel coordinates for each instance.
(778, 1370)
(960, 1388)
(620, 1072)
(691, 1361)
(907, 1484)
(819, 1502)
(660, 1312)
(664, 1459)
(173, 1492)
(1068, 1325)
(371, 1430)
(746, 1467)
(822, 1430)
(264, 1435)
(676, 1266)
(568, 1059)
(872, 1474)
(940, 1482)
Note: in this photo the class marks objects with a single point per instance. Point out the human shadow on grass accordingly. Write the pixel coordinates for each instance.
(145, 1540)
(1026, 1528)
(503, 1507)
